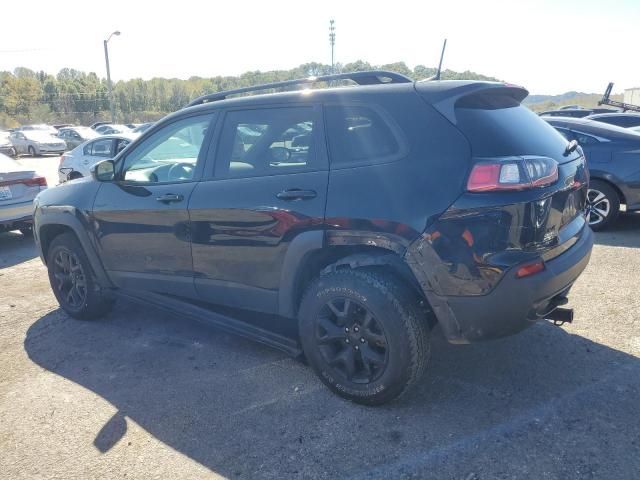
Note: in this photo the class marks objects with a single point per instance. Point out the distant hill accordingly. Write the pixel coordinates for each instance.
(540, 103)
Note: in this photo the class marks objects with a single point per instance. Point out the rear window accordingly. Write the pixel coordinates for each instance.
(514, 130)
(359, 135)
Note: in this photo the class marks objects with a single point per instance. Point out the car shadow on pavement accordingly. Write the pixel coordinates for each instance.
(625, 232)
(543, 398)
(15, 248)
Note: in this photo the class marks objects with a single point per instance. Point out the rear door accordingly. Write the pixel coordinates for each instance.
(142, 222)
(268, 185)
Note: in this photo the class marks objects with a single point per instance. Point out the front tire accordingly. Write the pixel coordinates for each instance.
(32, 151)
(365, 335)
(603, 205)
(73, 281)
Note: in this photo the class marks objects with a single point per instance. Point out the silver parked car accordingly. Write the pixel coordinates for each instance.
(74, 136)
(36, 142)
(18, 189)
(78, 162)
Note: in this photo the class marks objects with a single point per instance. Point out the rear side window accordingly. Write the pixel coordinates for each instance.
(99, 148)
(514, 130)
(268, 141)
(359, 135)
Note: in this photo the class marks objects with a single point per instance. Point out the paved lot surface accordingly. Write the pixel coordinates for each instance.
(142, 394)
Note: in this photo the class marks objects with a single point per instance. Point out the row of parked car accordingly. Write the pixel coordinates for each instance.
(35, 140)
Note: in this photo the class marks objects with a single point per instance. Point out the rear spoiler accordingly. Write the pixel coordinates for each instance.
(486, 95)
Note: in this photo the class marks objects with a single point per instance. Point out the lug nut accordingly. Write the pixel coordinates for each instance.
(347, 340)
(356, 329)
(361, 340)
(357, 347)
(346, 329)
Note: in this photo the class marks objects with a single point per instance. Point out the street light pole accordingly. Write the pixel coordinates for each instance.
(106, 59)
(332, 41)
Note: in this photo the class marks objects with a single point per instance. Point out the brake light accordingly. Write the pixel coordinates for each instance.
(512, 173)
(35, 182)
(61, 160)
(530, 269)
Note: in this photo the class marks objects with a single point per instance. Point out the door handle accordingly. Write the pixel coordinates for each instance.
(296, 194)
(170, 198)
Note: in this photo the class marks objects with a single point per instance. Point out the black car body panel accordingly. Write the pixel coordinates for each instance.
(619, 119)
(373, 176)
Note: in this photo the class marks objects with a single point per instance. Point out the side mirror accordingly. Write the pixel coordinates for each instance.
(104, 171)
(280, 154)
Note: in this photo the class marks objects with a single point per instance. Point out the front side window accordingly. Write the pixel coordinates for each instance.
(170, 154)
(359, 134)
(269, 141)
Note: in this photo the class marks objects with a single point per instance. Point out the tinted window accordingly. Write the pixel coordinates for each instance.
(170, 154)
(508, 131)
(270, 141)
(584, 139)
(358, 134)
(99, 148)
(566, 133)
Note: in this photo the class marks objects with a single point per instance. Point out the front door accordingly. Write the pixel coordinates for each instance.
(269, 185)
(141, 218)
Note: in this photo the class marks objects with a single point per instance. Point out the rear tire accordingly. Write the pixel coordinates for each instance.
(365, 335)
(603, 205)
(73, 281)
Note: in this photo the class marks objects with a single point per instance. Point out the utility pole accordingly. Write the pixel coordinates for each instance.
(106, 59)
(332, 42)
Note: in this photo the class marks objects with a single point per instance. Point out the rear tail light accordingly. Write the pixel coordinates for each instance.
(61, 161)
(512, 173)
(35, 182)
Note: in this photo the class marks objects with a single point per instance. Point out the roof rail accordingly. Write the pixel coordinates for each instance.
(372, 77)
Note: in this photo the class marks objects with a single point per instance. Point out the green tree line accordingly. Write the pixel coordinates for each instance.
(72, 96)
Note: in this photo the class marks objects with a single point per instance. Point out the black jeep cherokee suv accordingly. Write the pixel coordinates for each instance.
(354, 218)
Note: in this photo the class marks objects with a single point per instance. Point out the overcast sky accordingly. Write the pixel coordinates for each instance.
(547, 46)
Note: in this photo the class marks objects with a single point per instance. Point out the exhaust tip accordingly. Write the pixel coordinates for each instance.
(560, 316)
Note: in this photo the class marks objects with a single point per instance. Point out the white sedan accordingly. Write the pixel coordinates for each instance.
(77, 163)
(18, 189)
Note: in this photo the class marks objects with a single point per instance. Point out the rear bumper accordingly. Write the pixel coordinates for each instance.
(515, 303)
(16, 214)
(43, 149)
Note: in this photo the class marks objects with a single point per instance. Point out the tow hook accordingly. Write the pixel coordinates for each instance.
(560, 316)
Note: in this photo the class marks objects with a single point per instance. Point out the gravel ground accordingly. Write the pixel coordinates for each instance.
(142, 394)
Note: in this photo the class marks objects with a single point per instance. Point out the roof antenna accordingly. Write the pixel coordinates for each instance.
(437, 75)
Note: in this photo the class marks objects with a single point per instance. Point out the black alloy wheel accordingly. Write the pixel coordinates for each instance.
(70, 280)
(352, 341)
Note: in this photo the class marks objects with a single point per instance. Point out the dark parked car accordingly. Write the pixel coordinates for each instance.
(354, 218)
(98, 124)
(625, 120)
(613, 158)
(568, 112)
